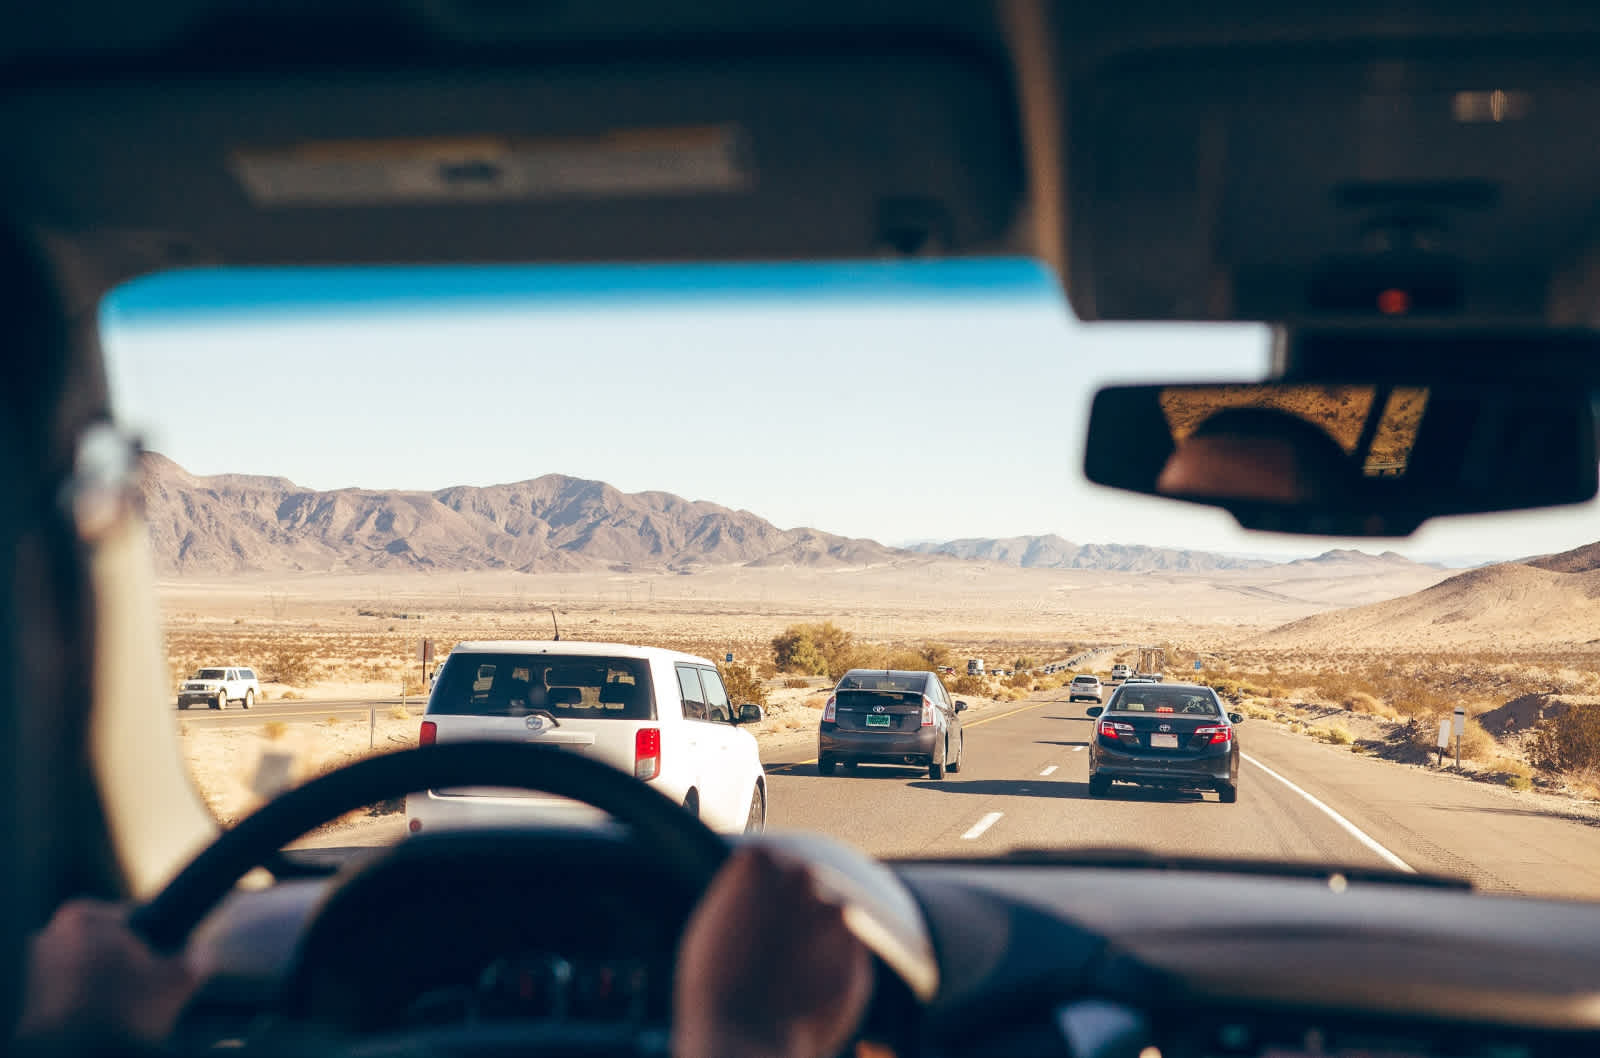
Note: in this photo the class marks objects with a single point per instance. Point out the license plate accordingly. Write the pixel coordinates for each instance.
(879, 721)
(1160, 741)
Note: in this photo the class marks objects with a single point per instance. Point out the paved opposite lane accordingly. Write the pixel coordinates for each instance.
(295, 709)
(1025, 784)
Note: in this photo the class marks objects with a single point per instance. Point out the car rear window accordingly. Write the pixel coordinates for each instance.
(1153, 698)
(597, 688)
(1085, 679)
(878, 688)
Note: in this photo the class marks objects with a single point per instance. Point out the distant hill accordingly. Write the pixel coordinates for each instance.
(1544, 602)
(1351, 560)
(1053, 552)
(235, 523)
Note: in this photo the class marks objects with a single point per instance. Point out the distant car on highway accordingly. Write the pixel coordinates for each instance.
(1120, 671)
(891, 717)
(658, 715)
(216, 686)
(1173, 735)
(1085, 687)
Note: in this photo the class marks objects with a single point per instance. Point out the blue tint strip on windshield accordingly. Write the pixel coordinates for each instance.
(209, 293)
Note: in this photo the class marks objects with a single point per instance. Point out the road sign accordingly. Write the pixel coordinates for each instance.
(1197, 664)
(1459, 725)
(727, 658)
(425, 651)
(1444, 733)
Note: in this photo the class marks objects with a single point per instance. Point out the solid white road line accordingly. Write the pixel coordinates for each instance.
(1048, 771)
(1354, 831)
(981, 825)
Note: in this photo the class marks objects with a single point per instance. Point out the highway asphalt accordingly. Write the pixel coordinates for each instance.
(1025, 784)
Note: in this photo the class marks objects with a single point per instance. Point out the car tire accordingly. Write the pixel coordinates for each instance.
(1099, 786)
(1227, 793)
(756, 821)
(221, 702)
(961, 752)
(249, 698)
(936, 767)
(826, 766)
(183, 705)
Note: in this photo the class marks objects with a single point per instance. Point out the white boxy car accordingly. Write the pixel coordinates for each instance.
(661, 716)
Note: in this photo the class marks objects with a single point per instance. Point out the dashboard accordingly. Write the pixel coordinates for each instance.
(1087, 962)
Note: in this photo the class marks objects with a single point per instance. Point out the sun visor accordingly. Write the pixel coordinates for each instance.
(1356, 185)
(726, 157)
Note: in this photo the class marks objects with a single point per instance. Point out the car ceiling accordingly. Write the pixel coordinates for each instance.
(1250, 161)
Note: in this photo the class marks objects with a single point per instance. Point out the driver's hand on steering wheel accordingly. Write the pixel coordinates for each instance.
(90, 977)
(768, 968)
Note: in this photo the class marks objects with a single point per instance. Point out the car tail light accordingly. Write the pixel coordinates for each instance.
(927, 711)
(1112, 730)
(429, 733)
(1219, 734)
(647, 753)
(830, 712)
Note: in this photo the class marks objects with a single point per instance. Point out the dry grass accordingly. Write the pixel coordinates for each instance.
(399, 712)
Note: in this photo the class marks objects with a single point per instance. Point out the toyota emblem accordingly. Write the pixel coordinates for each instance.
(877, 708)
(537, 723)
(1165, 727)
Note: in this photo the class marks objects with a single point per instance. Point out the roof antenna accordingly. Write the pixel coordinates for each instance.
(554, 622)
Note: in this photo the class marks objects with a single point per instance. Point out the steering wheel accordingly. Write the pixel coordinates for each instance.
(675, 838)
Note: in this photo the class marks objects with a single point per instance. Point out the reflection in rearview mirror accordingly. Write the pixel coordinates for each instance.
(1359, 460)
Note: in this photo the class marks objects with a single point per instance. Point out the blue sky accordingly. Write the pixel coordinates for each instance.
(898, 401)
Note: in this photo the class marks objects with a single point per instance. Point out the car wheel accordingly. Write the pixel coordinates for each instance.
(249, 698)
(1099, 786)
(756, 822)
(222, 701)
(183, 705)
(1228, 793)
(936, 767)
(961, 752)
(826, 766)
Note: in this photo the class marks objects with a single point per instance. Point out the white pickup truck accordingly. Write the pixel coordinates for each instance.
(216, 687)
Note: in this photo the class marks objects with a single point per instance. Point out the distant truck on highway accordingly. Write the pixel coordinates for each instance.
(974, 666)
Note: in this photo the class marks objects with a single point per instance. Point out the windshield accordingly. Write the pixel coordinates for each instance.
(797, 475)
(1153, 698)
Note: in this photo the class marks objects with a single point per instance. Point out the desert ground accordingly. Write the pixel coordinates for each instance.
(1269, 638)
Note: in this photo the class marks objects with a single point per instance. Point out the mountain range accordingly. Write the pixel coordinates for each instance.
(238, 523)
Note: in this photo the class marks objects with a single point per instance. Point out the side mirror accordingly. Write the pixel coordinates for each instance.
(961, 707)
(1095, 710)
(750, 714)
(1236, 718)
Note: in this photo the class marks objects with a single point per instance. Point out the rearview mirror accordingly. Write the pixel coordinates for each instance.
(750, 714)
(1346, 460)
(1094, 710)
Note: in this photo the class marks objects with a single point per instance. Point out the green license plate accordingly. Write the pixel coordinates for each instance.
(874, 720)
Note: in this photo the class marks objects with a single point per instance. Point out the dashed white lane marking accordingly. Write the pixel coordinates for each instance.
(1047, 771)
(981, 825)
(1354, 831)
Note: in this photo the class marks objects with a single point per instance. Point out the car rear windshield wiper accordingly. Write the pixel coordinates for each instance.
(1142, 859)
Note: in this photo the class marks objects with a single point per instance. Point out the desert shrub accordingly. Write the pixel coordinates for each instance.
(288, 663)
(1476, 743)
(935, 655)
(1336, 735)
(1519, 782)
(399, 712)
(1362, 702)
(274, 729)
(795, 683)
(815, 649)
(973, 685)
(767, 669)
(816, 701)
(1020, 680)
(1024, 662)
(743, 685)
(411, 685)
(1568, 742)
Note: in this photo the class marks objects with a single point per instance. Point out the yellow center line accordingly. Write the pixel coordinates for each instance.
(975, 723)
